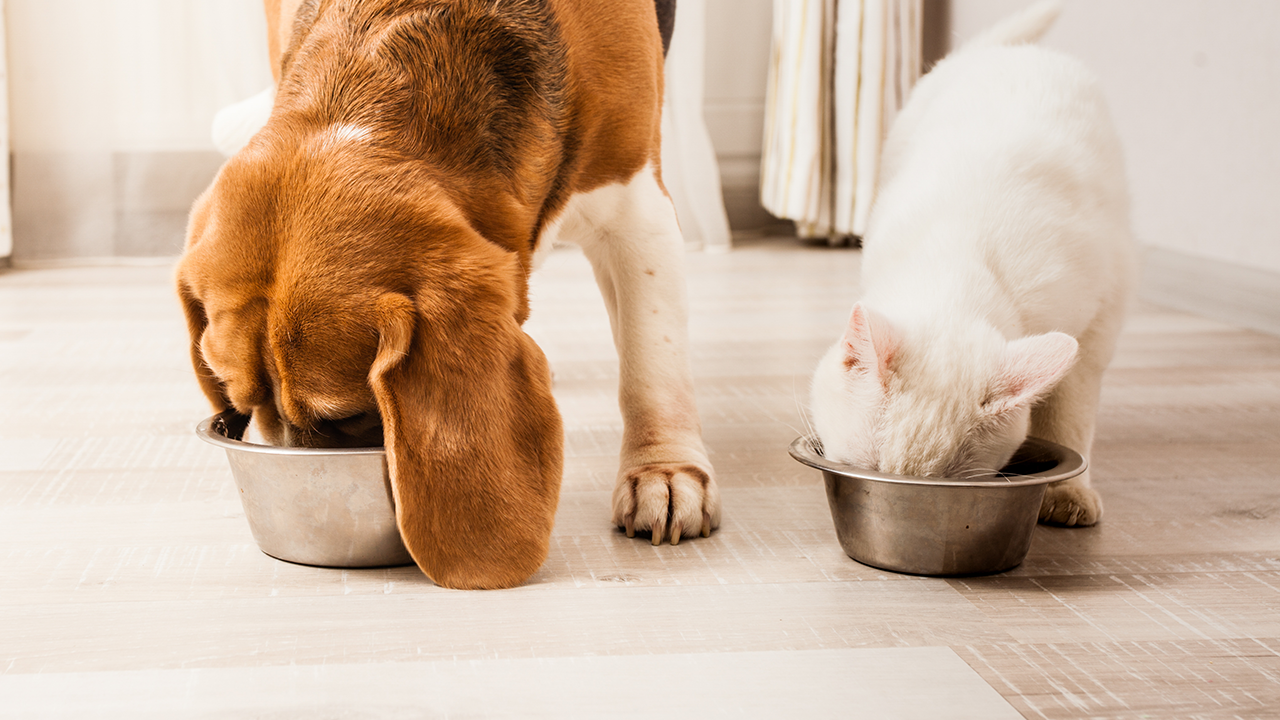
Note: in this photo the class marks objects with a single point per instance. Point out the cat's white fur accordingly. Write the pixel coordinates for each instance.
(996, 268)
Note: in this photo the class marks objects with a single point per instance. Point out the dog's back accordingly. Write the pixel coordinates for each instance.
(529, 101)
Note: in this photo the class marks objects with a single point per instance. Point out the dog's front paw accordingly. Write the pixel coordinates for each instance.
(1071, 505)
(675, 499)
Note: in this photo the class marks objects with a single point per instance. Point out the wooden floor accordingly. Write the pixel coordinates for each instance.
(130, 586)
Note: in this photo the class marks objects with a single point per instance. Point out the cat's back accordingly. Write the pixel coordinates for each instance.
(987, 107)
(1002, 185)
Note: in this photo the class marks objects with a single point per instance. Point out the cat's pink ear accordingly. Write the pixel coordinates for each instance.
(869, 342)
(1032, 366)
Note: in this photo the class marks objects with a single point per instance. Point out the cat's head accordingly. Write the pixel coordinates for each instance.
(935, 404)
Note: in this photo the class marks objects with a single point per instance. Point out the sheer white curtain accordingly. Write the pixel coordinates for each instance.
(689, 167)
(840, 70)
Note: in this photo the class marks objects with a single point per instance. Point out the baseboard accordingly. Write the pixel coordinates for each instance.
(740, 190)
(1231, 293)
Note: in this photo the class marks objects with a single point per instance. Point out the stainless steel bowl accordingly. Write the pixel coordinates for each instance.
(328, 507)
(941, 526)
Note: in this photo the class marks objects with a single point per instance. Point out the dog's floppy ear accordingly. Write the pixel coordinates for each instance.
(214, 389)
(193, 306)
(473, 437)
(197, 323)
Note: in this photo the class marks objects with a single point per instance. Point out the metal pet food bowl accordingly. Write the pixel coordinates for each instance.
(330, 507)
(941, 526)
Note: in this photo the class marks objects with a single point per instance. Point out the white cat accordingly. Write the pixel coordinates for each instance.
(995, 272)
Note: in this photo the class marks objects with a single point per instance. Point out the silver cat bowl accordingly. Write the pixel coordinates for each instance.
(327, 507)
(941, 526)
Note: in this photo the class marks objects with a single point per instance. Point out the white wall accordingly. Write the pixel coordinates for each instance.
(111, 104)
(1194, 87)
(129, 75)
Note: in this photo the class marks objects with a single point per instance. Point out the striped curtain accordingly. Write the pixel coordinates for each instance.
(839, 71)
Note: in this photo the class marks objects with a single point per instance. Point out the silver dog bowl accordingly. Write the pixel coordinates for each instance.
(941, 526)
(326, 507)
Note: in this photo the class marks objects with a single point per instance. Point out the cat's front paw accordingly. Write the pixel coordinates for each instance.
(675, 499)
(1070, 505)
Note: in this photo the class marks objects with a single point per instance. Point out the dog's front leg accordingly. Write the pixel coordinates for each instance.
(629, 233)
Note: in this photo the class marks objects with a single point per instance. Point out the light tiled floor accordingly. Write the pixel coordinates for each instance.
(871, 683)
(131, 586)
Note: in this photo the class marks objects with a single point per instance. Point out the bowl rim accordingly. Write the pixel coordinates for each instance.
(1069, 464)
(207, 432)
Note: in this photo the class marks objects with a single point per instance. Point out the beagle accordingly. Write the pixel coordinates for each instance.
(357, 274)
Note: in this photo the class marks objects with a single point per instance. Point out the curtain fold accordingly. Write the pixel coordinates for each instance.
(690, 170)
(839, 72)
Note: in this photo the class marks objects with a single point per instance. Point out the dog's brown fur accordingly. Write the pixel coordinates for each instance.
(366, 256)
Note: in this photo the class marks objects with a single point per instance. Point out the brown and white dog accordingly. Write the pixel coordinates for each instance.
(357, 273)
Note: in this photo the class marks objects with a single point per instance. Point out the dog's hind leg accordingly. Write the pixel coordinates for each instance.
(629, 232)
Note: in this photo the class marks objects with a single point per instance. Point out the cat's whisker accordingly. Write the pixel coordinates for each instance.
(975, 473)
(811, 432)
(803, 411)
